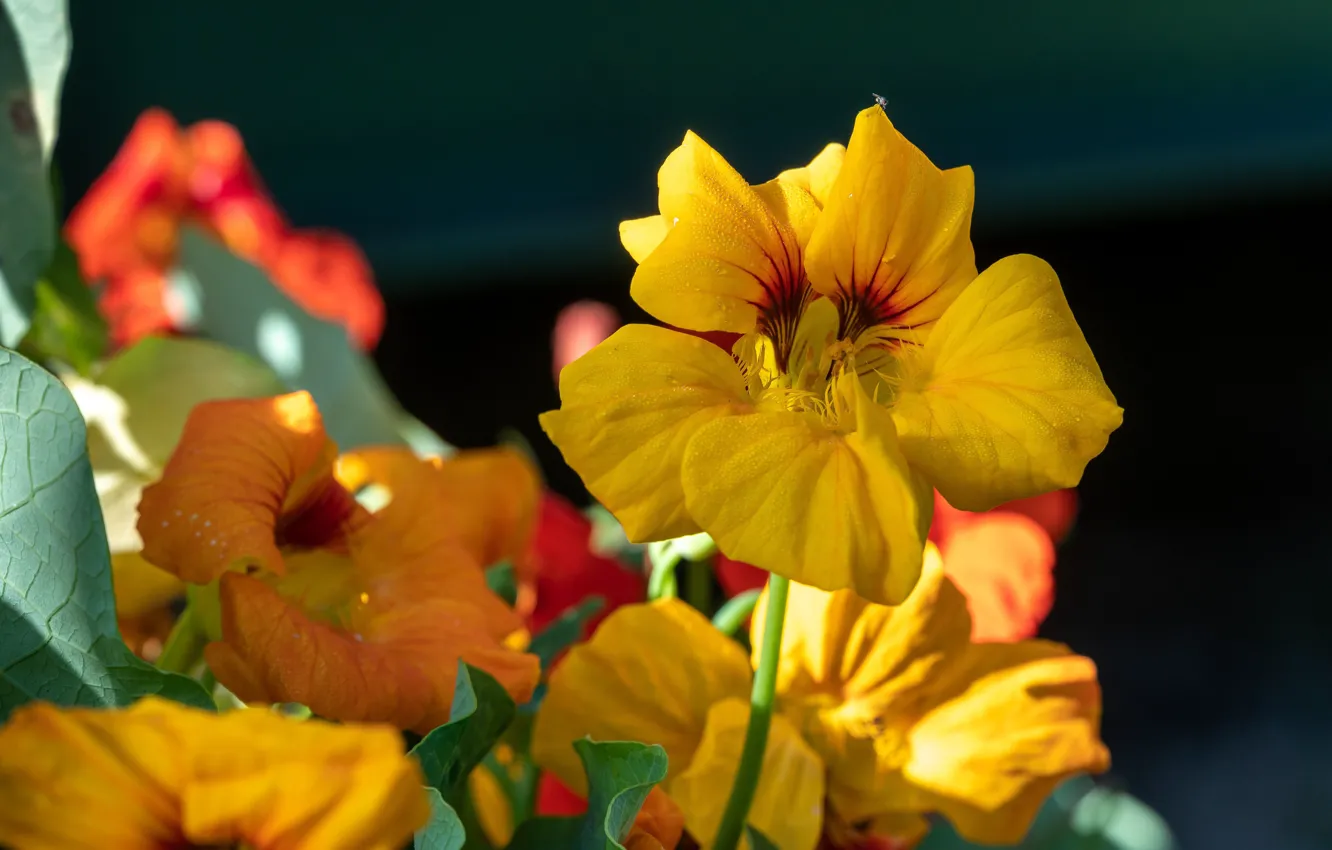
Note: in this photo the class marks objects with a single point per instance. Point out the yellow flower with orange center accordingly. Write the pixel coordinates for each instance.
(358, 616)
(884, 715)
(875, 364)
(159, 775)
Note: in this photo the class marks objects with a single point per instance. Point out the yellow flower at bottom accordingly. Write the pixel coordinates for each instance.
(884, 715)
(159, 776)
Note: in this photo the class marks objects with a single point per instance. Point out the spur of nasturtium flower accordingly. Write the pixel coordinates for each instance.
(875, 364)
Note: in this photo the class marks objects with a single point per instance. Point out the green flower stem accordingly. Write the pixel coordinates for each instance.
(731, 616)
(662, 582)
(184, 646)
(736, 816)
(698, 585)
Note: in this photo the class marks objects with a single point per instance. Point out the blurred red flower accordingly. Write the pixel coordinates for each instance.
(125, 231)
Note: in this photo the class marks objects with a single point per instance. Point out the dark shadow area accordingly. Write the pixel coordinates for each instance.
(1196, 575)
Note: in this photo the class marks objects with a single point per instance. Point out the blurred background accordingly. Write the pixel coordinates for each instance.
(1173, 161)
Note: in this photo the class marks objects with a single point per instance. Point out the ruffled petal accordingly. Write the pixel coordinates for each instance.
(375, 636)
(730, 254)
(992, 755)
(622, 686)
(161, 775)
(245, 476)
(894, 241)
(1005, 400)
(628, 410)
(484, 500)
(782, 491)
(788, 803)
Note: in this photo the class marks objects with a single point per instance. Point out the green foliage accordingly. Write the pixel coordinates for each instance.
(757, 840)
(34, 51)
(480, 713)
(58, 635)
(65, 323)
(502, 581)
(564, 631)
(444, 831)
(235, 303)
(619, 776)
(547, 833)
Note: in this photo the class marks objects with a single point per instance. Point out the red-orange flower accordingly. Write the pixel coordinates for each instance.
(1002, 560)
(358, 616)
(126, 229)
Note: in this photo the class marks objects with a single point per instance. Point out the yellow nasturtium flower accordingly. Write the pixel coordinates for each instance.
(160, 775)
(884, 715)
(875, 364)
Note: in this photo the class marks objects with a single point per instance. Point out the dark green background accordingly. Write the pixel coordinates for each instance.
(467, 138)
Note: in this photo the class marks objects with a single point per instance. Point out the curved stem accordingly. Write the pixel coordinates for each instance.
(736, 815)
(731, 616)
(184, 646)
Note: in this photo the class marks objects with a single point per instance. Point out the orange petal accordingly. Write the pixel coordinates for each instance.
(485, 500)
(246, 476)
(149, 170)
(388, 652)
(162, 775)
(1055, 511)
(328, 276)
(1003, 564)
(659, 824)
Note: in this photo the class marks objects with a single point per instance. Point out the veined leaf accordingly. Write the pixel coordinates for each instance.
(480, 713)
(444, 831)
(58, 635)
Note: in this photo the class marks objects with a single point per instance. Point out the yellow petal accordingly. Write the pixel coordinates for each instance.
(894, 235)
(641, 236)
(730, 254)
(650, 674)
(818, 177)
(1005, 400)
(878, 656)
(995, 752)
(788, 803)
(159, 774)
(783, 492)
(628, 409)
(491, 804)
(141, 588)
(854, 675)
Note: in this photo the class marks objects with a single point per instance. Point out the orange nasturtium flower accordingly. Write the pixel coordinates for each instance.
(358, 616)
(126, 229)
(159, 775)
(885, 714)
(875, 363)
